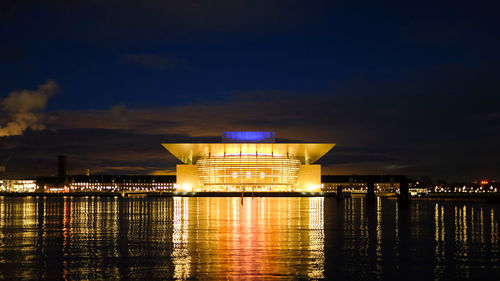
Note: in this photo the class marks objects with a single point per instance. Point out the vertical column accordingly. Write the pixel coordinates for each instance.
(370, 193)
(339, 195)
(404, 194)
(61, 167)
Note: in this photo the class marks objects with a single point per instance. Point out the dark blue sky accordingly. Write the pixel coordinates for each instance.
(378, 79)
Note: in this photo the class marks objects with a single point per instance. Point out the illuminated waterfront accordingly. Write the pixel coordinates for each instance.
(266, 238)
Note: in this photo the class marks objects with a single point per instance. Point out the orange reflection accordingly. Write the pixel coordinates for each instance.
(265, 237)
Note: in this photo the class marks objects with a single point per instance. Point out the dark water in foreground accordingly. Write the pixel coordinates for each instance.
(263, 238)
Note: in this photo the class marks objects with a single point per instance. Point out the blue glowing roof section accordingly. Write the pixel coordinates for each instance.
(263, 137)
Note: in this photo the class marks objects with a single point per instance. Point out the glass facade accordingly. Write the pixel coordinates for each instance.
(248, 172)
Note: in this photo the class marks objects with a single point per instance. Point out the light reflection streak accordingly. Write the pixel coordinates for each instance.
(180, 256)
(317, 236)
(378, 247)
(494, 237)
(440, 243)
(396, 234)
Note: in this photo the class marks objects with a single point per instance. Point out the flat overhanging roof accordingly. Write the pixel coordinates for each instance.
(305, 152)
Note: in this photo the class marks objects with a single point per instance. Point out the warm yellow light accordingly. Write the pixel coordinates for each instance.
(313, 187)
(260, 171)
(186, 187)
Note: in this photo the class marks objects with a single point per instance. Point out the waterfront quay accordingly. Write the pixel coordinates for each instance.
(432, 196)
(340, 186)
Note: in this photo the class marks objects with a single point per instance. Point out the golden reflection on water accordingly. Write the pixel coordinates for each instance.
(254, 238)
(230, 237)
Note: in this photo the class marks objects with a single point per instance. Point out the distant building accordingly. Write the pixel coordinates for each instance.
(248, 161)
(106, 183)
(359, 183)
(18, 185)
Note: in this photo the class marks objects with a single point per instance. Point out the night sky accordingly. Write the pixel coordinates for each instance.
(401, 88)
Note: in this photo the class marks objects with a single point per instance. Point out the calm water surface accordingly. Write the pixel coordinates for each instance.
(260, 238)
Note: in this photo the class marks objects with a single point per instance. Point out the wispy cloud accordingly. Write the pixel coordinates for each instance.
(25, 107)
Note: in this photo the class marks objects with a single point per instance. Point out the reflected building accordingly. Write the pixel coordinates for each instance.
(216, 236)
(248, 161)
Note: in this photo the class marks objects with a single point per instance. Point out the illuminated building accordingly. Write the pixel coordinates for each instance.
(248, 161)
(17, 185)
(107, 183)
(359, 183)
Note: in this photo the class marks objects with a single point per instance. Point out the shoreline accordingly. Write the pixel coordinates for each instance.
(456, 197)
(170, 194)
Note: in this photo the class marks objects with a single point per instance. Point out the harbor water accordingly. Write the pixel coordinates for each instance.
(267, 238)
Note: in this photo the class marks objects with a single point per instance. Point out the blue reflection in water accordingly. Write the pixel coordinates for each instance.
(263, 238)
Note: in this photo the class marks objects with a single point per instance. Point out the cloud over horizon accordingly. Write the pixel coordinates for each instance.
(24, 109)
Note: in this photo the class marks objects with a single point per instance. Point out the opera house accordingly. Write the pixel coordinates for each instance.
(248, 161)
